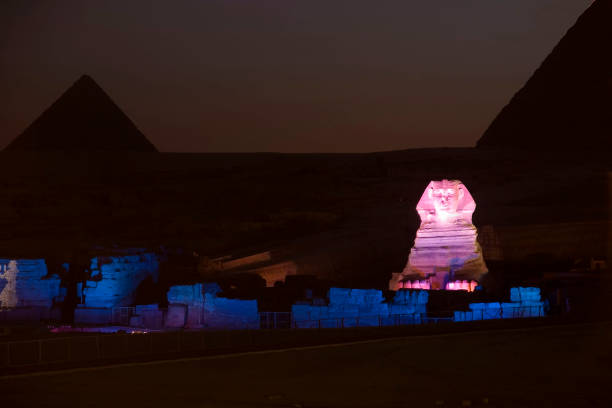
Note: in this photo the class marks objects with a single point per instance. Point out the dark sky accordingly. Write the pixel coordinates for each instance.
(281, 75)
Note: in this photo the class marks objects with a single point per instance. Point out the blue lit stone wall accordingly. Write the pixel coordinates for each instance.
(359, 307)
(524, 302)
(114, 279)
(24, 283)
(198, 306)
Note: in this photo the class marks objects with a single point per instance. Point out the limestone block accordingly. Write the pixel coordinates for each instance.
(300, 312)
(402, 297)
(211, 287)
(388, 320)
(114, 279)
(477, 306)
(349, 321)
(24, 283)
(330, 323)
(401, 309)
(474, 315)
(338, 295)
(305, 324)
(152, 317)
(318, 312)
(422, 297)
(420, 309)
(534, 309)
(368, 321)
(477, 311)
(186, 294)
(492, 311)
(340, 311)
(510, 310)
(378, 309)
(486, 311)
(230, 313)
(411, 297)
(515, 295)
(62, 294)
(145, 308)
(324, 312)
(94, 316)
(531, 303)
(175, 316)
(194, 319)
(522, 294)
(365, 296)
(136, 321)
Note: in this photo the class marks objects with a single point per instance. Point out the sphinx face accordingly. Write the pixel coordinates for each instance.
(445, 196)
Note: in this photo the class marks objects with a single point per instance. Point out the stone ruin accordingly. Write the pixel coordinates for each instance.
(27, 290)
(524, 302)
(199, 306)
(360, 308)
(446, 253)
(112, 283)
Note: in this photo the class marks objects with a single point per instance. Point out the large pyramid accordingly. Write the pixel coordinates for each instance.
(567, 103)
(84, 118)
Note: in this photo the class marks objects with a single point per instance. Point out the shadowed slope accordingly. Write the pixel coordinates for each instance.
(567, 103)
(84, 118)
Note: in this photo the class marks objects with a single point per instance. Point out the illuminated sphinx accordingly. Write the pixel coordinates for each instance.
(446, 254)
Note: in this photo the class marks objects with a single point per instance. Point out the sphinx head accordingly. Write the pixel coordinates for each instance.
(446, 201)
(445, 196)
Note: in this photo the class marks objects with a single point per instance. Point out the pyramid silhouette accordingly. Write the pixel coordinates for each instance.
(567, 103)
(84, 118)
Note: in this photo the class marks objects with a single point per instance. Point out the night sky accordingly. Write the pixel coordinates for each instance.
(281, 75)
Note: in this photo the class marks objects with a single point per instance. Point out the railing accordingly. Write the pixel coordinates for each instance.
(512, 312)
(88, 348)
(122, 315)
(275, 320)
(359, 321)
(83, 349)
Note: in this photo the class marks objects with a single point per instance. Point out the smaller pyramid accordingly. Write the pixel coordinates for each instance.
(84, 118)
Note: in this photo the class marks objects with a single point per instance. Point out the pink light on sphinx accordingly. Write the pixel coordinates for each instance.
(446, 246)
(418, 284)
(470, 286)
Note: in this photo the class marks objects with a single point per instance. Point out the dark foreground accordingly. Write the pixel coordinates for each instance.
(555, 366)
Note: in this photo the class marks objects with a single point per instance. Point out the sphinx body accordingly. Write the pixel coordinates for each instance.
(446, 253)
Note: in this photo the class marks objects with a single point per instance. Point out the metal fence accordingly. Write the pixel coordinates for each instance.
(362, 321)
(122, 315)
(87, 348)
(511, 312)
(275, 320)
(82, 349)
